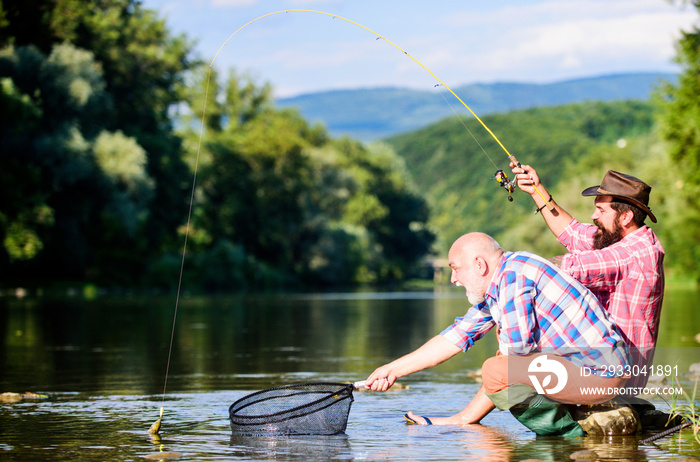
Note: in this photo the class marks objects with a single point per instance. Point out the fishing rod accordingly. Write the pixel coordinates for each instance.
(500, 175)
(666, 432)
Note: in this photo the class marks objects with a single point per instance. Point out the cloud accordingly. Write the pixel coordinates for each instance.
(575, 36)
(461, 42)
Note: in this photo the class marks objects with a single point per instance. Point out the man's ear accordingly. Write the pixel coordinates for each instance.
(481, 266)
(626, 218)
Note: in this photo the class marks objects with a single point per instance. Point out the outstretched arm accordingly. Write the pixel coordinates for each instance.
(528, 181)
(435, 351)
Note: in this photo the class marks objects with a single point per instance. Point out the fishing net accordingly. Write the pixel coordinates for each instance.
(320, 408)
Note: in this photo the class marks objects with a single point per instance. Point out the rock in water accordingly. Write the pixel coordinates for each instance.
(584, 455)
(615, 422)
(9, 397)
(163, 455)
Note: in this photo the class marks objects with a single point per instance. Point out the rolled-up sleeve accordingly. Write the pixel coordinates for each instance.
(577, 236)
(596, 269)
(471, 327)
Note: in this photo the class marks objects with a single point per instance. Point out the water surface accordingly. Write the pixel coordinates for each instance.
(102, 365)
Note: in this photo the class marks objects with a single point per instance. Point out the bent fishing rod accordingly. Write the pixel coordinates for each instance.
(500, 175)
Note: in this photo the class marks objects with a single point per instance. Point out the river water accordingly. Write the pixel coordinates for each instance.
(101, 364)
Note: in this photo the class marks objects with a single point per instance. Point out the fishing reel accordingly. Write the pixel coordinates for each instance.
(505, 183)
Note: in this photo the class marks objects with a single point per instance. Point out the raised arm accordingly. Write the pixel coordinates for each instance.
(528, 181)
(435, 351)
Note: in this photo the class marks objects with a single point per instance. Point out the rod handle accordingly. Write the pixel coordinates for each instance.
(548, 203)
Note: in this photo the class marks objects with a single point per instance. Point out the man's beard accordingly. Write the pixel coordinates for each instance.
(475, 298)
(604, 238)
(472, 296)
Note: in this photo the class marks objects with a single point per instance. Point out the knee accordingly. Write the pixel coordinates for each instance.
(494, 373)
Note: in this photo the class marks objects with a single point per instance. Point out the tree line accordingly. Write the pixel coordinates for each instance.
(571, 147)
(100, 106)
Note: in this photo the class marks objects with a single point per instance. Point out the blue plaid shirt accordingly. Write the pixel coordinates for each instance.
(542, 309)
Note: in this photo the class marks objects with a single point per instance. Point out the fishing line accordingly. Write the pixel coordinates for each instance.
(504, 181)
(467, 128)
(156, 426)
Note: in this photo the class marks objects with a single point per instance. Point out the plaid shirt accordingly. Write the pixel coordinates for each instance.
(539, 308)
(628, 279)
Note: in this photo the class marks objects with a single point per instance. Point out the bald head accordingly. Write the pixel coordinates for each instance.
(473, 259)
(476, 245)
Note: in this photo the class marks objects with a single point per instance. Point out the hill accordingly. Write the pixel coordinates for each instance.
(570, 145)
(375, 113)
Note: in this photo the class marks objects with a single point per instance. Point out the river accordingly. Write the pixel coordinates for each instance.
(101, 365)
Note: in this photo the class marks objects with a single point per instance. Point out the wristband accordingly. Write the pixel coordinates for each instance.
(545, 204)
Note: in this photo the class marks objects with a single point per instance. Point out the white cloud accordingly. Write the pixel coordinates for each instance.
(580, 36)
(461, 42)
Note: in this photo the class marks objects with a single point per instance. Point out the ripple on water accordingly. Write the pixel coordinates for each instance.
(195, 425)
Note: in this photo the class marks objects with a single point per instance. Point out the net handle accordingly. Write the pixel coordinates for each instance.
(359, 385)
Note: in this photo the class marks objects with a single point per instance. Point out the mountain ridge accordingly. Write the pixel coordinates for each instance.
(370, 114)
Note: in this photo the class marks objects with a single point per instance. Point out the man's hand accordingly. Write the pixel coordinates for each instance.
(526, 177)
(381, 379)
(433, 352)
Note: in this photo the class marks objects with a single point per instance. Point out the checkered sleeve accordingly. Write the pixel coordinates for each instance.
(577, 236)
(471, 327)
(596, 269)
(519, 320)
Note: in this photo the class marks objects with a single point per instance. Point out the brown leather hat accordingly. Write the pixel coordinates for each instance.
(624, 187)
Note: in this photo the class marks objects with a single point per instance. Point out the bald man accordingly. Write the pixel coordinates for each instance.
(545, 318)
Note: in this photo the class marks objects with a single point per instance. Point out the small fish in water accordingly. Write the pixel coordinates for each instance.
(155, 428)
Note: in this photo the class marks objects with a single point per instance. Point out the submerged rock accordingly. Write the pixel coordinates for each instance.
(9, 397)
(584, 455)
(163, 455)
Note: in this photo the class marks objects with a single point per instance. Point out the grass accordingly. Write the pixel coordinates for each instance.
(688, 410)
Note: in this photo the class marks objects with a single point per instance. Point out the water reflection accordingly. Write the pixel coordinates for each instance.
(336, 447)
(102, 364)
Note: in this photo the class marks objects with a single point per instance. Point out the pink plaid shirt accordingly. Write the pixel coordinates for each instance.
(628, 279)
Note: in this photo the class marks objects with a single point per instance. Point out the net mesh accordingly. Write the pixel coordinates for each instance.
(320, 408)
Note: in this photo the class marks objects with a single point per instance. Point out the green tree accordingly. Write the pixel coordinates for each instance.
(61, 184)
(299, 205)
(681, 128)
(89, 160)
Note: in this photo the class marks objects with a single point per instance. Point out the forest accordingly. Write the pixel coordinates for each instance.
(101, 109)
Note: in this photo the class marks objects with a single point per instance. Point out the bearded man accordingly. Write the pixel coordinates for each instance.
(618, 257)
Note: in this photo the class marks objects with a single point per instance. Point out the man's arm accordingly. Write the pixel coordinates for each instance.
(556, 261)
(528, 181)
(435, 351)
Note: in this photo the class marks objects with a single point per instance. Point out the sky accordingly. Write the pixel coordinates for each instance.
(457, 41)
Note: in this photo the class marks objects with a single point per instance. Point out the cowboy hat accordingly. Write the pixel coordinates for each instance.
(625, 187)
